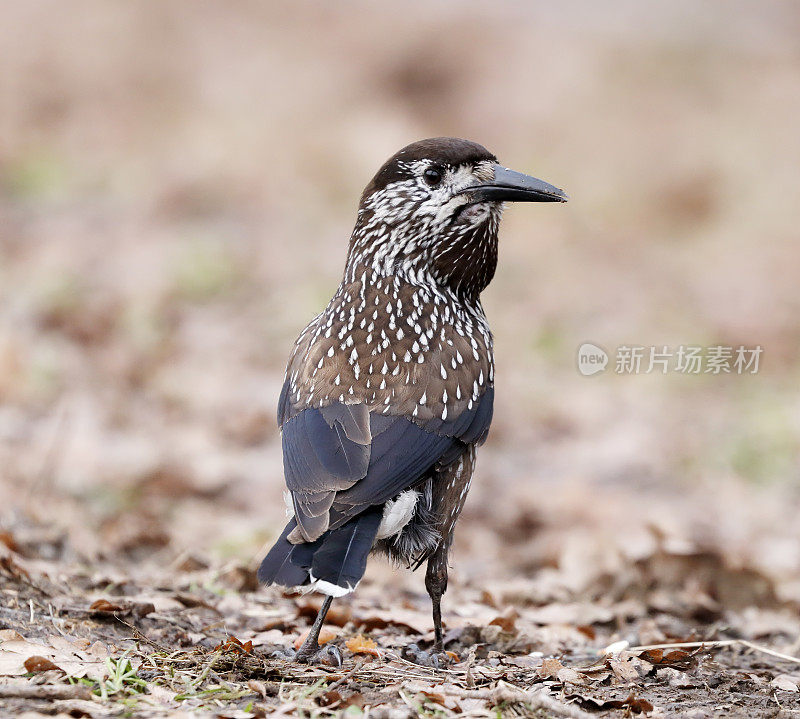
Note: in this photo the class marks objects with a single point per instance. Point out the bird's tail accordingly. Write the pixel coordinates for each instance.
(333, 564)
(287, 564)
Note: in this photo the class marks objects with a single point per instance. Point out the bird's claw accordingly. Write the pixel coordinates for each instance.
(328, 655)
(426, 658)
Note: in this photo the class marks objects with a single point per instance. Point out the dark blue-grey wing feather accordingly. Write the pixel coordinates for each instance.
(341, 459)
(401, 454)
(318, 455)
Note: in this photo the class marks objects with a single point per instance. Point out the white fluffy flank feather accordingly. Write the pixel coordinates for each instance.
(397, 513)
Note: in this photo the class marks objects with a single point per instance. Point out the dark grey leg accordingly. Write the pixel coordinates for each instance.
(311, 644)
(436, 584)
(311, 652)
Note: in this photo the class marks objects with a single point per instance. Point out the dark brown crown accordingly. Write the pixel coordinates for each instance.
(450, 151)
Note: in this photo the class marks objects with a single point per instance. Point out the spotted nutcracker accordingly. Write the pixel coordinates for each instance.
(389, 390)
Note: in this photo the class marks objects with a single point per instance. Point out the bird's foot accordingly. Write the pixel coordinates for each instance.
(436, 658)
(328, 655)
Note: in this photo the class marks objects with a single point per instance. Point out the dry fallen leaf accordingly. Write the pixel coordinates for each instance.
(550, 668)
(325, 636)
(784, 683)
(676, 658)
(362, 645)
(232, 644)
(63, 654)
(634, 704)
(434, 697)
(409, 621)
(566, 675)
(506, 621)
(624, 671)
(330, 699)
(105, 607)
(36, 664)
(8, 539)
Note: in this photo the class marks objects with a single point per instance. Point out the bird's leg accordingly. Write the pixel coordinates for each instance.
(436, 584)
(310, 652)
(311, 645)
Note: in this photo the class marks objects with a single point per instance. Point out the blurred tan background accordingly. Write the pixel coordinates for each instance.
(177, 186)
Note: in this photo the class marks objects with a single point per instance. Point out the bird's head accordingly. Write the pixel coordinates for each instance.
(432, 212)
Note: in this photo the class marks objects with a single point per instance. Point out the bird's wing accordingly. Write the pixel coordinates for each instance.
(345, 457)
(324, 451)
(403, 451)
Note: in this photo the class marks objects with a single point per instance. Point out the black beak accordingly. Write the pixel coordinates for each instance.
(510, 186)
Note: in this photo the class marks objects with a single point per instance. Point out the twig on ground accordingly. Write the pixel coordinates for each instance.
(347, 675)
(137, 634)
(45, 691)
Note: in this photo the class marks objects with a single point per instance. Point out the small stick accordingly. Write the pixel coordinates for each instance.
(346, 677)
(137, 634)
(45, 691)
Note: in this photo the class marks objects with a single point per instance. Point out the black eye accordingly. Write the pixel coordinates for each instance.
(433, 176)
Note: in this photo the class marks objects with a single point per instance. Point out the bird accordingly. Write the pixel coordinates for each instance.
(389, 391)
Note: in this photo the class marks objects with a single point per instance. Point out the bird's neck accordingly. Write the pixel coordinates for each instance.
(466, 263)
(460, 261)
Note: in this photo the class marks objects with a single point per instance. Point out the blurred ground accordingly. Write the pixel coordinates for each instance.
(177, 186)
